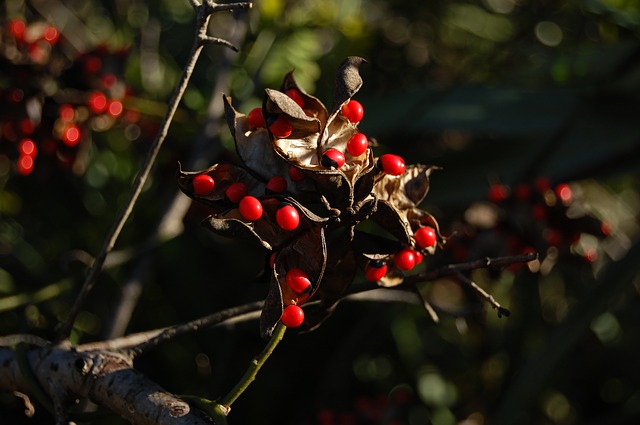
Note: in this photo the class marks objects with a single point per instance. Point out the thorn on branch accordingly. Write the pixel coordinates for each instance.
(218, 41)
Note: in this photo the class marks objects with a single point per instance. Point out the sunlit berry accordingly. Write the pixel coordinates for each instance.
(27, 147)
(332, 158)
(97, 102)
(392, 164)
(375, 270)
(292, 316)
(281, 127)
(296, 96)
(287, 217)
(277, 184)
(71, 136)
(256, 119)
(353, 111)
(296, 174)
(236, 191)
(250, 208)
(357, 144)
(203, 184)
(425, 237)
(405, 259)
(298, 280)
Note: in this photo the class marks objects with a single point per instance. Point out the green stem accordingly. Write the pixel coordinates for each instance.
(254, 367)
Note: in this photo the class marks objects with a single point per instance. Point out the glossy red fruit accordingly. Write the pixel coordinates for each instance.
(405, 259)
(281, 127)
(498, 192)
(425, 237)
(256, 119)
(277, 184)
(250, 208)
(287, 217)
(375, 270)
(17, 28)
(296, 95)
(292, 316)
(296, 174)
(236, 191)
(353, 111)
(298, 280)
(66, 112)
(419, 256)
(203, 184)
(392, 164)
(332, 158)
(357, 144)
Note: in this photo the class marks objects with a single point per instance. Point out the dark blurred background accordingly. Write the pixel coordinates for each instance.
(530, 106)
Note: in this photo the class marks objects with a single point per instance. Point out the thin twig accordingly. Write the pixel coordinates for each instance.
(193, 326)
(484, 295)
(203, 15)
(254, 368)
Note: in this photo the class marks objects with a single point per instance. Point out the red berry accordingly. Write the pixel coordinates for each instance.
(405, 259)
(564, 192)
(298, 280)
(332, 158)
(353, 111)
(281, 127)
(522, 192)
(296, 174)
(51, 34)
(296, 96)
(236, 191)
(66, 112)
(203, 184)
(92, 64)
(17, 27)
(250, 208)
(292, 316)
(419, 256)
(71, 136)
(97, 102)
(27, 148)
(25, 165)
(114, 108)
(498, 192)
(392, 164)
(425, 237)
(256, 119)
(288, 217)
(277, 184)
(27, 126)
(357, 144)
(375, 270)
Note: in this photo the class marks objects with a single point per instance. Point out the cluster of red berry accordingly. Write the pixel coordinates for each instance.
(51, 101)
(308, 177)
(539, 217)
